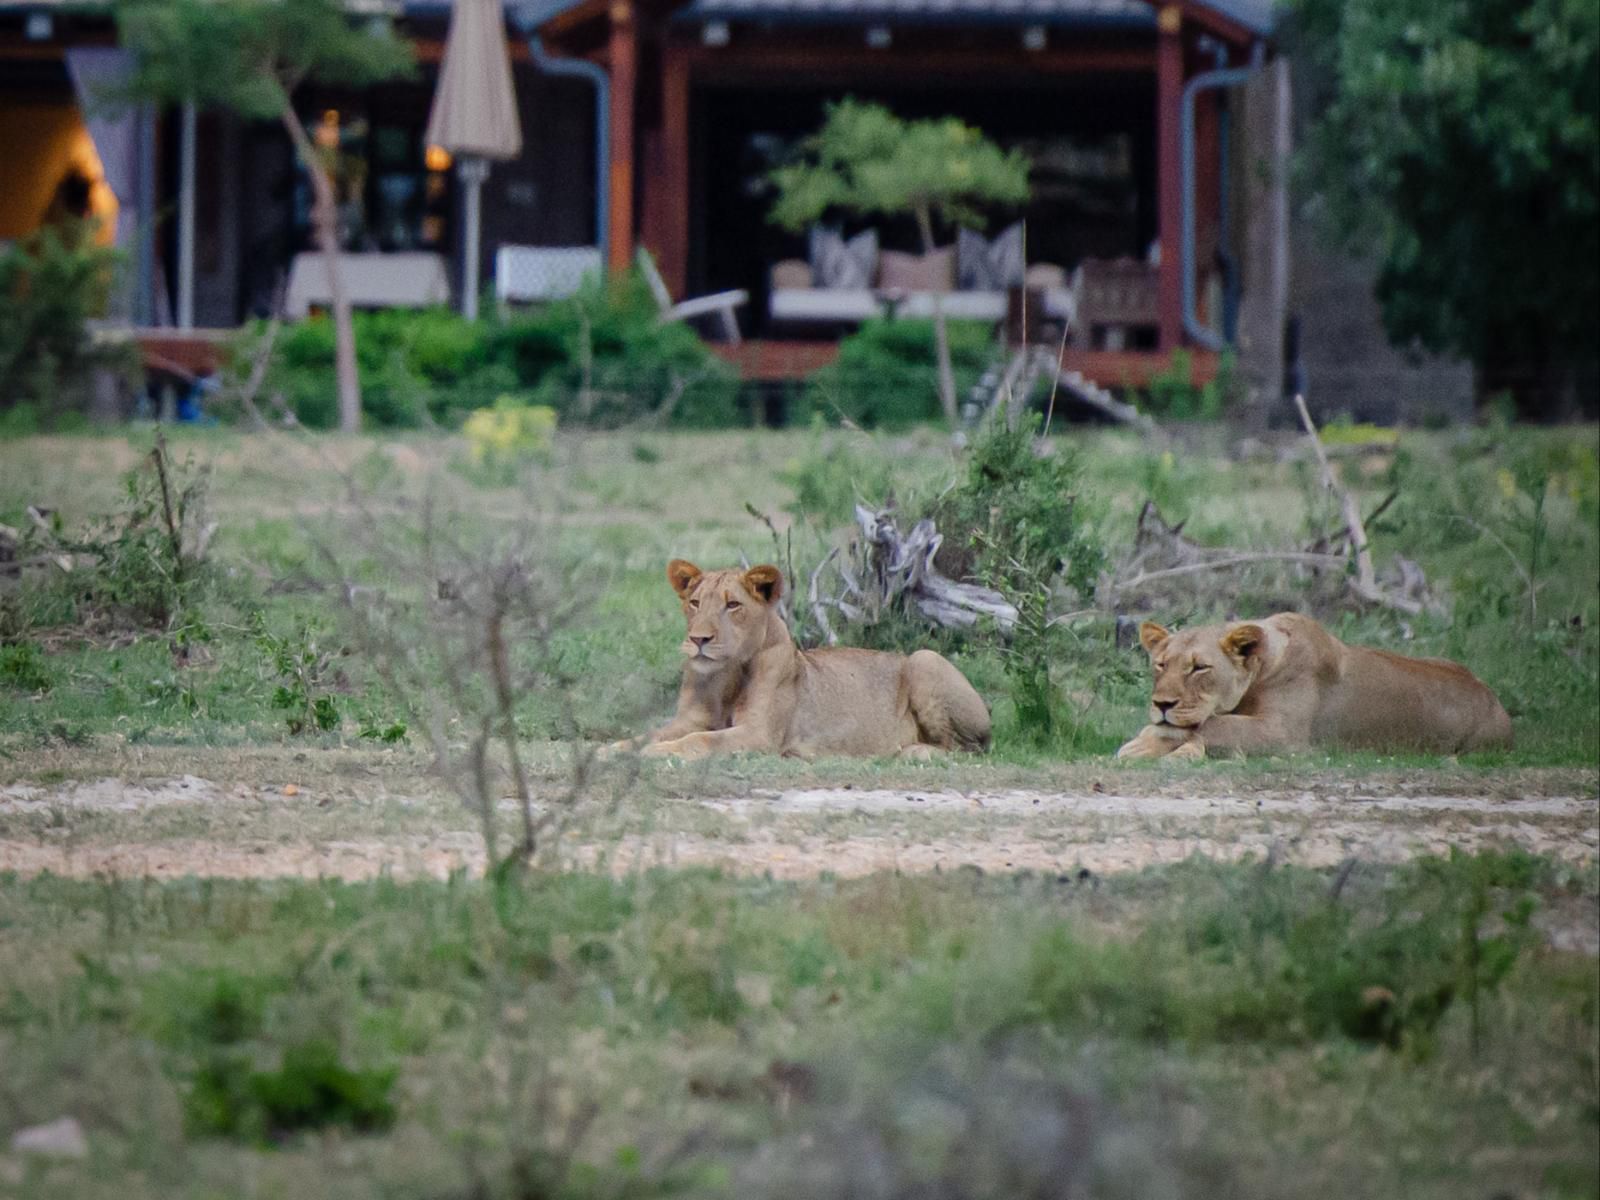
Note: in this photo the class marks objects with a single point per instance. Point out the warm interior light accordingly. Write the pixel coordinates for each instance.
(327, 135)
(437, 158)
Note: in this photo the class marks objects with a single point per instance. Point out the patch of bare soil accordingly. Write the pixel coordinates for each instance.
(845, 831)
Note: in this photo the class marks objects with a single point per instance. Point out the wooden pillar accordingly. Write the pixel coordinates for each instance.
(672, 194)
(624, 55)
(1169, 180)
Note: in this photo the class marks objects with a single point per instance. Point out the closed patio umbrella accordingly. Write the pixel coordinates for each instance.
(475, 114)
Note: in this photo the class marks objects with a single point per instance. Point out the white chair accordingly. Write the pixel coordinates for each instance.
(722, 304)
(523, 274)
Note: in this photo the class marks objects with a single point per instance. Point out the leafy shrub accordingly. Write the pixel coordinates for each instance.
(1171, 392)
(605, 356)
(600, 357)
(311, 1089)
(302, 670)
(51, 283)
(1017, 524)
(886, 375)
(22, 667)
(414, 366)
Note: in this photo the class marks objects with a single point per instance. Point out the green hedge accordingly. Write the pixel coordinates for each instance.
(602, 357)
(887, 376)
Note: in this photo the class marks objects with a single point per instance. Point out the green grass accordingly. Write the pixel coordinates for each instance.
(1191, 1031)
(1465, 511)
(688, 1034)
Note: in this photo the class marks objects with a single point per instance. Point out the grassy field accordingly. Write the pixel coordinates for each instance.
(256, 962)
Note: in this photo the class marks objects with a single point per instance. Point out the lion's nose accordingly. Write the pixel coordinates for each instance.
(1164, 705)
(701, 641)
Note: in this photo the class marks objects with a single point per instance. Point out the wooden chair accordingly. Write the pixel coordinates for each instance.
(720, 304)
(1115, 299)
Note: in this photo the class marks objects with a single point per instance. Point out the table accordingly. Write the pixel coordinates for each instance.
(412, 279)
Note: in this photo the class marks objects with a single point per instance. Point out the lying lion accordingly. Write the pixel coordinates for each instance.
(747, 687)
(1286, 684)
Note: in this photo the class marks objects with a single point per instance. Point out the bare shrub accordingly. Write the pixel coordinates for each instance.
(459, 617)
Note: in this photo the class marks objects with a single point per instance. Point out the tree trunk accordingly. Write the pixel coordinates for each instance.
(941, 333)
(325, 220)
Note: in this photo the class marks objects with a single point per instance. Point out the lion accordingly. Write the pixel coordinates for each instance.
(1285, 684)
(747, 686)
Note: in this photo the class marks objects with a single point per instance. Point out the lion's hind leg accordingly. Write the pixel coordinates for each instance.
(949, 712)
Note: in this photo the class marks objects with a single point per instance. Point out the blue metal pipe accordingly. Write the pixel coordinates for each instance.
(1205, 81)
(550, 64)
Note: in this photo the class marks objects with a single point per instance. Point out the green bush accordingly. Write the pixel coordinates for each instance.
(886, 375)
(23, 667)
(605, 356)
(311, 1089)
(601, 357)
(1016, 523)
(1172, 393)
(51, 283)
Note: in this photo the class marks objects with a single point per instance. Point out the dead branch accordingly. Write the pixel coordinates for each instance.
(1234, 560)
(888, 571)
(1366, 581)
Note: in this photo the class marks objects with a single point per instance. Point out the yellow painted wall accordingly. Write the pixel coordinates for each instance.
(39, 144)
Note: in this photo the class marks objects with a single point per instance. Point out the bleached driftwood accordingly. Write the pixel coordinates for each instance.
(887, 569)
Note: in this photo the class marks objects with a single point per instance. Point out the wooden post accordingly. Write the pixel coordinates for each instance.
(672, 195)
(1169, 179)
(624, 54)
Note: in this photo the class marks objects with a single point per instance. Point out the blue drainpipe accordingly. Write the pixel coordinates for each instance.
(549, 64)
(1205, 81)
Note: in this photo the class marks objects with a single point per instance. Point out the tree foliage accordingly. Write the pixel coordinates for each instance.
(865, 159)
(1461, 140)
(247, 56)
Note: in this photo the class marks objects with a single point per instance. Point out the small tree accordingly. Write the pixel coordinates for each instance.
(865, 159)
(248, 57)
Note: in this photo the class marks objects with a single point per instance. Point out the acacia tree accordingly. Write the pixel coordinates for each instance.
(1461, 139)
(248, 57)
(866, 160)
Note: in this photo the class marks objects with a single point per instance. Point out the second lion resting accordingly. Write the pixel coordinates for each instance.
(1285, 683)
(748, 687)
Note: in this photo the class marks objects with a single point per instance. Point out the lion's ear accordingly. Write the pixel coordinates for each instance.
(682, 575)
(765, 581)
(1152, 636)
(1243, 640)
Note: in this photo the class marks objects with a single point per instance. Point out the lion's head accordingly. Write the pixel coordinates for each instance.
(729, 613)
(1201, 672)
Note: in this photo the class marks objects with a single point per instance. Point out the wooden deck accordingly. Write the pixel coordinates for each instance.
(763, 361)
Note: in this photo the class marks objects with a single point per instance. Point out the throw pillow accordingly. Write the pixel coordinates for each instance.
(837, 263)
(791, 273)
(983, 265)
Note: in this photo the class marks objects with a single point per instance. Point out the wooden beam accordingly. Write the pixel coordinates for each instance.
(1169, 179)
(799, 63)
(672, 192)
(624, 57)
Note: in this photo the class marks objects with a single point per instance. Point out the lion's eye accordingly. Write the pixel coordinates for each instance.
(1197, 668)
(694, 605)
(734, 606)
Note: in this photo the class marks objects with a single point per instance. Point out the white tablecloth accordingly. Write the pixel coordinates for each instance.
(402, 280)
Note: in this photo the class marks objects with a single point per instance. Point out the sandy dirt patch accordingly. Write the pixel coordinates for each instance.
(805, 832)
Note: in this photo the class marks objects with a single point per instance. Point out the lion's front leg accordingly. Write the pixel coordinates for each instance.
(1158, 741)
(740, 739)
(1232, 734)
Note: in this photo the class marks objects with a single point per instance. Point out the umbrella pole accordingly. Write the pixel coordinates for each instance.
(472, 171)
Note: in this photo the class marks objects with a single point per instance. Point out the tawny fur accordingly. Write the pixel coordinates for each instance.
(1285, 684)
(748, 688)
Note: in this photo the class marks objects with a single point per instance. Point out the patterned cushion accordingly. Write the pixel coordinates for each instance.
(837, 263)
(989, 266)
(931, 272)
